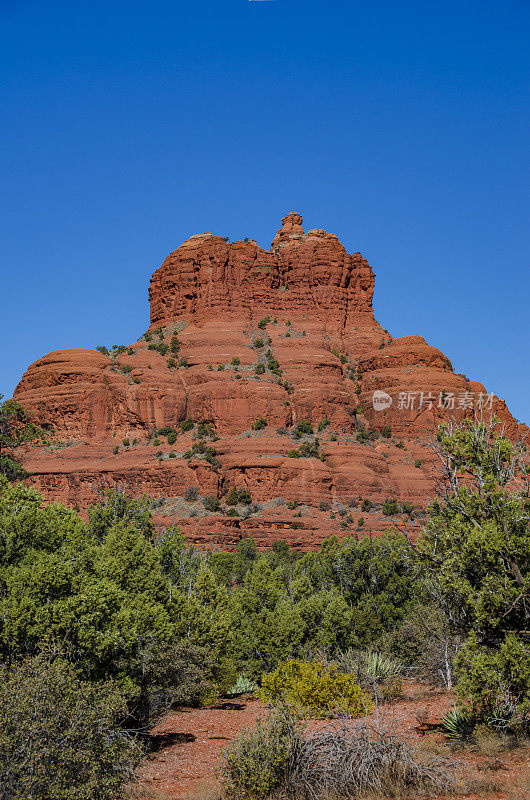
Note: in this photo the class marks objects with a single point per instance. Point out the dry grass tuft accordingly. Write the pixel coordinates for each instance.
(370, 760)
(433, 745)
(487, 742)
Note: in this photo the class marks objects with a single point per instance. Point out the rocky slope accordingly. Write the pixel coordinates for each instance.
(240, 334)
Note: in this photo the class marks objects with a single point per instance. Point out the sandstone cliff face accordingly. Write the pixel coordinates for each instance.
(302, 272)
(286, 334)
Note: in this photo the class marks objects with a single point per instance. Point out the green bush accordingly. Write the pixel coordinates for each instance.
(187, 425)
(315, 689)
(303, 428)
(274, 366)
(172, 437)
(259, 369)
(293, 454)
(161, 348)
(211, 503)
(496, 682)
(16, 428)
(126, 442)
(324, 423)
(386, 431)
(205, 429)
(236, 496)
(366, 505)
(232, 498)
(256, 764)
(59, 738)
(417, 463)
(235, 361)
(259, 343)
(390, 507)
(259, 424)
(209, 456)
(366, 434)
(244, 497)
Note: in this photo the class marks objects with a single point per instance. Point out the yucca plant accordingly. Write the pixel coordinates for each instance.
(242, 686)
(378, 668)
(371, 667)
(458, 723)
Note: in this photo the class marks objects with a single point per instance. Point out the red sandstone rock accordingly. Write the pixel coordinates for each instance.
(333, 355)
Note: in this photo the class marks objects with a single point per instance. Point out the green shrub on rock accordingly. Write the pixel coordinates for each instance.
(211, 503)
(390, 507)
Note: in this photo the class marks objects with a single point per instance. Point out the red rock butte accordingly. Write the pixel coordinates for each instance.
(280, 335)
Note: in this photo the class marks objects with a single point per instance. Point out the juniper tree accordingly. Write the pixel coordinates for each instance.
(477, 546)
(16, 428)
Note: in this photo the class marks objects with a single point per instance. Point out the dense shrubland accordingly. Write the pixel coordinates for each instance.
(143, 621)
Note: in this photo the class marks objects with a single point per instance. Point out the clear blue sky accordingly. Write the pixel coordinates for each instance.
(403, 127)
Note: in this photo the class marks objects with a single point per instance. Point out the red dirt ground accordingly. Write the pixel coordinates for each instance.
(187, 770)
